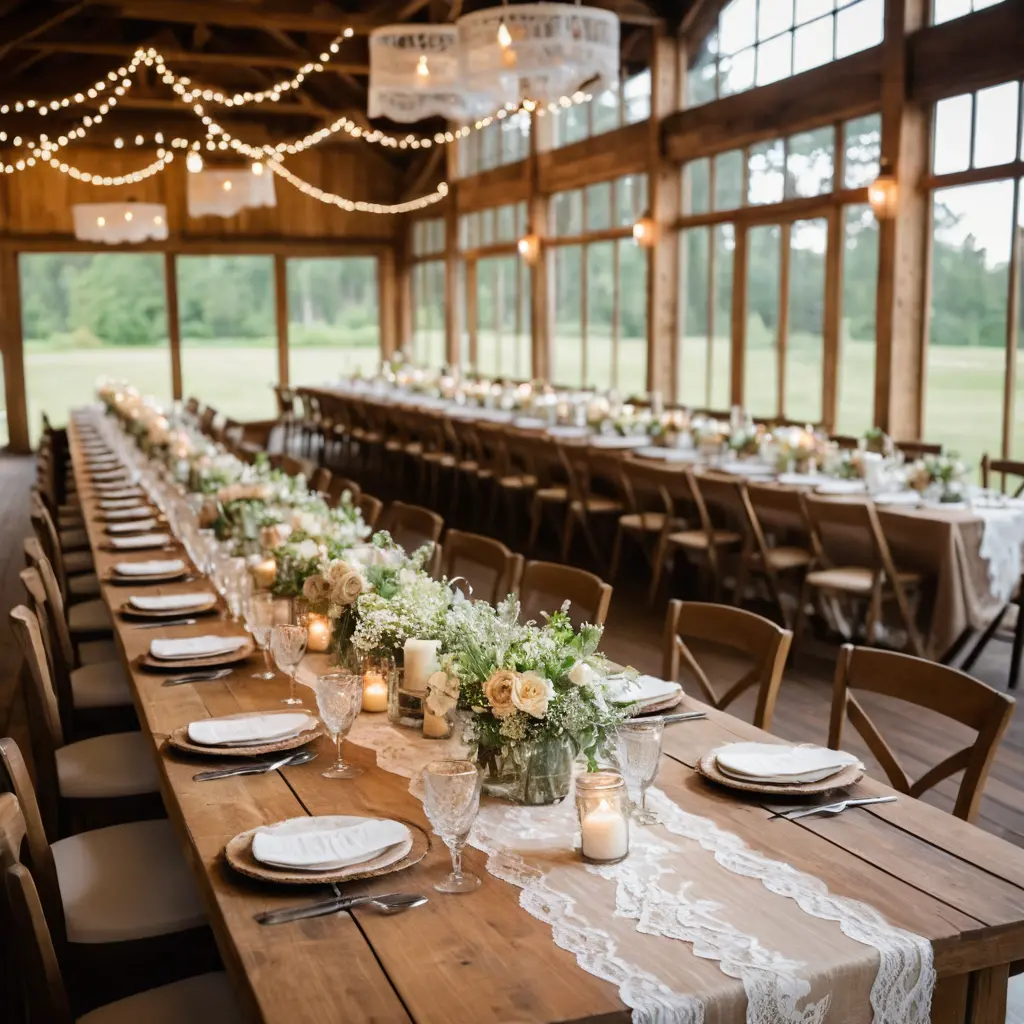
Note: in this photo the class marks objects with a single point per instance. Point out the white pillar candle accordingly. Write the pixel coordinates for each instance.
(319, 633)
(420, 662)
(605, 834)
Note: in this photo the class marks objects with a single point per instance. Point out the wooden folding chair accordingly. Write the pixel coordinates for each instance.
(546, 586)
(371, 508)
(320, 481)
(915, 449)
(876, 580)
(339, 485)
(762, 643)
(650, 511)
(583, 469)
(925, 684)
(486, 567)
(412, 526)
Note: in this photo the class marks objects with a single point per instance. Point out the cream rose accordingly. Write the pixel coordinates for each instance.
(336, 572)
(316, 589)
(581, 674)
(348, 588)
(498, 691)
(442, 693)
(308, 549)
(531, 693)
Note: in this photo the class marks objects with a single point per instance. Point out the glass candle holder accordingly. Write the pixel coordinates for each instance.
(405, 707)
(602, 804)
(375, 687)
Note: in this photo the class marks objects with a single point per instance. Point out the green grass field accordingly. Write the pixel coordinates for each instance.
(964, 386)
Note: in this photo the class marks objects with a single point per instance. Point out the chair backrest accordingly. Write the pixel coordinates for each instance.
(285, 400)
(46, 532)
(718, 499)
(192, 406)
(14, 779)
(59, 641)
(412, 526)
(488, 568)
(320, 481)
(44, 986)
(371, 508)
(834, 523)
(764, 645)
(60, 670)
(915, 449)
(927, 684)
(295, 467)
(339, 485)
(546, 586)
(1005, 468)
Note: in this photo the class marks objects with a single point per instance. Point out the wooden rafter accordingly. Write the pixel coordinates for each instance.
(30, 26)
(191, 12)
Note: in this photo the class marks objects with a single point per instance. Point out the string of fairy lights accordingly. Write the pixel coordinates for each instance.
(44, 149)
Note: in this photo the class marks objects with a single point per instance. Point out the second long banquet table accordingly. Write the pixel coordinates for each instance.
(947, 546)
(719, 905)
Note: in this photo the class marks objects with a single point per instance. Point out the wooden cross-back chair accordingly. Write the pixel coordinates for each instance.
(990, 467)
(551, 490)
(294, 466)
(339, 485)
(370, 508)
(489, 570)
(650, 511)
(927, 684)
(545, 586)
(412, 526)
(584, 469)
(763, 643)
(320, 480)
(773, 512)
(915, 449)
(875, 580)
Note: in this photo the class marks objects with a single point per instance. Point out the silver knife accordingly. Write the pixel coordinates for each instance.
(682, 716)
(836, 808)
(331, 906)
(245, 769)
(198, 677)
(165, 622)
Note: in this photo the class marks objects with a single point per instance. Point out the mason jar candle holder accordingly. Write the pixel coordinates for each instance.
(602, 805)
(405, 707)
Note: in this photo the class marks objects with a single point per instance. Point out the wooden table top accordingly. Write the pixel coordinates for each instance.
(481, 958)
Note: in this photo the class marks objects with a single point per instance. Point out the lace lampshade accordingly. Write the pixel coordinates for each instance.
(223, 192)
(540, 52)
(414, 74)
(116, 223)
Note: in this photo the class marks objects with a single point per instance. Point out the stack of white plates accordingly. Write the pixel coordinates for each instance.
(780, 765)
(646, 692)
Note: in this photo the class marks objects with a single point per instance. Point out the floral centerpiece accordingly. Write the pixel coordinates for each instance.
(940, 477)
(799, 449)
(530, 696)
(878, 441)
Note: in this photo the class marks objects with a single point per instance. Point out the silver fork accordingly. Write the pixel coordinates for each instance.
(165, 622)
(198, 677)
(832, 809)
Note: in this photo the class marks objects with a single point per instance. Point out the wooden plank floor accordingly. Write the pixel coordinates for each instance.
(634, 637)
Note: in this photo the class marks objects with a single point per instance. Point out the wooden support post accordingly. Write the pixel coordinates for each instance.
(739, 316)
(782, 326)
(281, 309)
(453, 325)
(387, 290)
(403, 288)
(541, 296)
(11, 346)
(173, 323)
(832, 327)
(903, 240)
(664, 190)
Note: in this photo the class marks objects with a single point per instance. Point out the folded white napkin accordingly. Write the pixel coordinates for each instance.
(156, 567)
(120, 492)
(131, 511)
(616, 441)
(143, 540)
(236, 730)
(642, 690)
(132, 527)
(670, 454)
(841, 487)
(780, 763)
(326, 844)
(120, 503)
(196, 647)
(170, 602)
(909, 498)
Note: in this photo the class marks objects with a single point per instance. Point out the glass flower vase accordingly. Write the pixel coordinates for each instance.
(532, 773)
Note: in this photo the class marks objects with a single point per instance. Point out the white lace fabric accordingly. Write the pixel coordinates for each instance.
(1002, 542)
(769, 944)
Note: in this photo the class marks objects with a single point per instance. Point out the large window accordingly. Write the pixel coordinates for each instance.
(600, 287)
(228, 333)
(506, 140)
(613, 108)
(798, 196)
(947, 10)
(428, 298)
(971, 339)
(757, 42)
(333, 318)
(428, 237)
(90, 315)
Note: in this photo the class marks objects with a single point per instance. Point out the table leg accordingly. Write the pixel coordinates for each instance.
(987, 1002)
(949, 1001)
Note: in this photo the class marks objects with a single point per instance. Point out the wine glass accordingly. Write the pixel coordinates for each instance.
(259, 621)
(639, 748)
(451, 798)
(339, 696)
(288, 643)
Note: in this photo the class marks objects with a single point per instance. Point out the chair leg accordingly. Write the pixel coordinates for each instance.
(982, 641)
(1018, 648)
(873, 613)
(613, 565)
(536, 513)
(740, 587)
(801, 616)
(570, 522)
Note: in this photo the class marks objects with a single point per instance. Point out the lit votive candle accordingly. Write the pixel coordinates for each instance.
(264, 573)
(375, 692)
(603, 808)
(420, 662)
(435, 727)
(319, 633)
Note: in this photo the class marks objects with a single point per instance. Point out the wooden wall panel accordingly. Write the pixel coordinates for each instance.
(38, 201)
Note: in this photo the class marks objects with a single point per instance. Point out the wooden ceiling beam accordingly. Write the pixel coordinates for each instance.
(191, 12)
(195, 57)
(29, 26)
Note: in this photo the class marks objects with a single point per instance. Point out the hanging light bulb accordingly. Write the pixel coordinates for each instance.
(128, 215)
(504, 36)
(226, 185)
(421, 67)
(529, 248)
(101, 221)
(882, 192)
(645, 230)
(257, 168)
(194, 162)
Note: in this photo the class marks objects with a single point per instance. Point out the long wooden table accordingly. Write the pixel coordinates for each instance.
(481, 958)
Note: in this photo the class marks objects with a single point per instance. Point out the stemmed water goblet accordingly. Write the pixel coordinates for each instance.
(638, 744)
(451, 798)
(288, 643)
(259, 621)
(339, 696)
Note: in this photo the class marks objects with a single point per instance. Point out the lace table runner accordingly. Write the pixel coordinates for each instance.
(1002, 542)
(759, 940)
